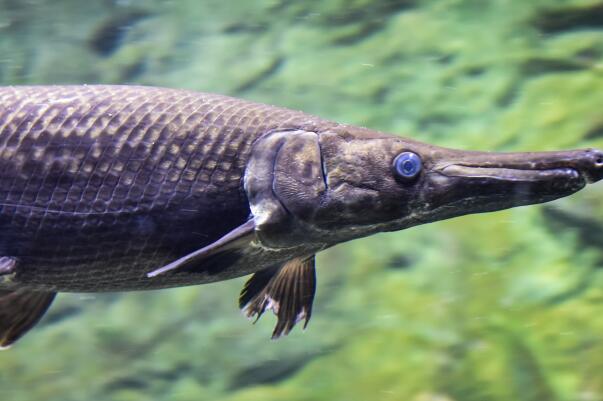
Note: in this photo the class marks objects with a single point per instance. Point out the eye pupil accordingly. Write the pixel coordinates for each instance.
(407, 165)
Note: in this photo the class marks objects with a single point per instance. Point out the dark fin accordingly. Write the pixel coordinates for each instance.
(238, 238)
(288, 291)
(20, 310)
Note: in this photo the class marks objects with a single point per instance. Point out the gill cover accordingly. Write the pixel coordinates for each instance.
(284, 182)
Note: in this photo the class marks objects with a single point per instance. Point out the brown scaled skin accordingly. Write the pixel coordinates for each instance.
(110, 188)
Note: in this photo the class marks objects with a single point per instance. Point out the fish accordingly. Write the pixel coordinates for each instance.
(121, 188)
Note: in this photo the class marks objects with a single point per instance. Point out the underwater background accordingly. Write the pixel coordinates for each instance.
(500, 306)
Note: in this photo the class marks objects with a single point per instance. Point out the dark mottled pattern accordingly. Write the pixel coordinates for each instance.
(101, 184)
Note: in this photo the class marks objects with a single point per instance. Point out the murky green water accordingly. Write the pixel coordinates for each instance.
(502, 306)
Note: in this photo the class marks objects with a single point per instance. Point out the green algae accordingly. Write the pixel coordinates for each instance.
(487, 307)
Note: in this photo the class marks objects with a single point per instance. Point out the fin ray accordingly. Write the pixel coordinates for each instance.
(235, 239)
(287, 290)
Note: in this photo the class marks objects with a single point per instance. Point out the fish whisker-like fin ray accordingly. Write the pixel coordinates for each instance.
(287, 290)
(234, 240)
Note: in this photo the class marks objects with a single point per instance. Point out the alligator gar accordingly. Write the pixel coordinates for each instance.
(116, 188)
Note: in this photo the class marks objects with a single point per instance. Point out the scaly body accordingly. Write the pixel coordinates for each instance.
(101, 184)
(107, 188)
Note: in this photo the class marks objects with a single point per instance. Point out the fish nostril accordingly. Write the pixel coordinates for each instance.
(597, 157)
(594, 172)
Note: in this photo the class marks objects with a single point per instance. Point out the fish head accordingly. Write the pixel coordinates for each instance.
(377, 182)
(345, 183)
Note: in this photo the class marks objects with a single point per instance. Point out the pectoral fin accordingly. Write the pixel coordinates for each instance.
(236, 239)
(20, 310)
(287, 290)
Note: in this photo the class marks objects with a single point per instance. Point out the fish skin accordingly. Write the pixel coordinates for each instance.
(109, 188)
(101, 184)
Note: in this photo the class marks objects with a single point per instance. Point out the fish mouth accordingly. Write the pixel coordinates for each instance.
(479, 182)
(575, 166)
(567, 175)
(470, 189)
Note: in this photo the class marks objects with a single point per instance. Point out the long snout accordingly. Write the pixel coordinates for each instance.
(461, 182)
(587, 163)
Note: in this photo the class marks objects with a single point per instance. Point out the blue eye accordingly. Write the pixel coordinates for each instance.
(407, 165)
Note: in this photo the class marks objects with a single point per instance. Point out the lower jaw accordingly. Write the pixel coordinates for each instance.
(495, 202)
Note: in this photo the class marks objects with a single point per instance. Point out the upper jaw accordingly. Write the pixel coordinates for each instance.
(570, 176)
(459, 183)
(584, 164)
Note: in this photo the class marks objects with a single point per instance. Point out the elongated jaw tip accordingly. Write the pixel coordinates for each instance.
(591, 165)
